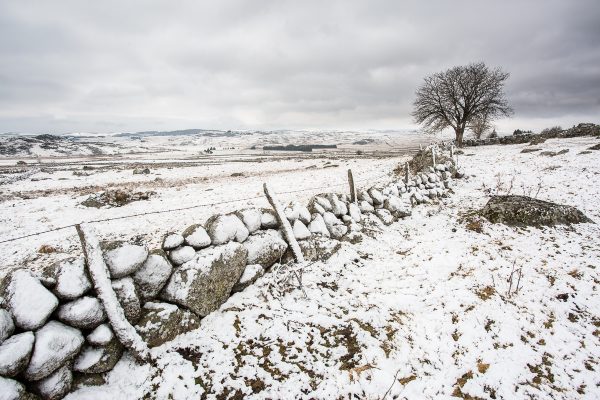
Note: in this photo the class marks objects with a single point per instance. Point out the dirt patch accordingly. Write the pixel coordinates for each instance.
(115, 198)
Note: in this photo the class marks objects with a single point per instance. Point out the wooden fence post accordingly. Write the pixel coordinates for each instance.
(100, 276)
(352, 188)
(406, 172)
(433, 156)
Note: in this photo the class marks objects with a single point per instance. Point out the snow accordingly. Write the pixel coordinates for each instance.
(172, 240)
(101, 335)
(251, 272)
(182, 255)
(15, 352)
(197, 238)
(152, 275)
(84, 313)
(88, 357)
(71, 279)
(125, 259)
(7, 325)
(29, 302)
(301, 232)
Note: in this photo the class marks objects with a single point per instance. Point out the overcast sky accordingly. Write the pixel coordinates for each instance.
(108, 66)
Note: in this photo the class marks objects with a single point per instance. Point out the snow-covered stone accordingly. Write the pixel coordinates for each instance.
(55, 386)
(354, 212)
(182, 254)
(55, 344)
(172, 241)
(205, 282)
(29, 302)
(338, 208)
(84, 313)
(251, 217)
(323, 202)
(397, 207)
(71, 279)
(317, 226)
(101, 336)
(301, 232)
(124, 259)
(196, 236)
(163, 322)
(363, 195)
(335, 227)
(126, 293)
(365, 207)
(98, 359)
(268, 220)
(251, 273)
(15, 353)
(265, 248)
(224, 228)
(7, 326)
(11, 389)
(153, 274)
(316, 208)
(386, 217)
(376, 195)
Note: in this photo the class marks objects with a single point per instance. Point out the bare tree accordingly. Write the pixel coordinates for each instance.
(480, 125)
(459, 96)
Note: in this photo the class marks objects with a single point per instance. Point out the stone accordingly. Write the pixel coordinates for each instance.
(268, 220)
(338, 208)
(317, 248)
(11, 389)
(251, 217)
(196, 236)
(526, 211)
(55, 386)
(84, 313)
(55, 345)
(224, 228)
(124, 259)
(297, 211)
(301, 232)
(363, 195)
(323, 203)
(172, 241)
(29, 302)
(15, 353)
(354, 211)
(376, 195)
(386, 217)
(98, 359)
(7, 326)
(205, 282)
(152, 275)
(335, 227)
(126, 293)
(265, 248)
(318, 227)
(366, 207)
(163, 322)
(251, 273)
(101, 336)
(71, 279)
(182, 255)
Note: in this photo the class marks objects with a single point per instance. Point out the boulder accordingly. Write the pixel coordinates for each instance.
(15, 353)
(317, 248)
(101, 336)
(172, 241)
(29, 302)
(224, 228)
(376, 195)
(365, 207)
(71, 279)
(251, 273)
(162, 322)
(301, 232)
(251, 217)
(126, 293)
(124, 259)
(11, 389)
(354, 212)
(363, 195)
(55, 386)
(7, 326)
(338, 208)
(182, 254)
(335, 227)
(268, 220)
(153, 274)
(397, 207)
(526, 211)
(265, 248)
(317, 226)
(55, 345)
(98, 359)
(205, 282)
(84, 313)
(196, 236)
(297, 211)
(386, 217)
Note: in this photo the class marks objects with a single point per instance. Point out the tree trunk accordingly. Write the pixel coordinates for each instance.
(459, 136)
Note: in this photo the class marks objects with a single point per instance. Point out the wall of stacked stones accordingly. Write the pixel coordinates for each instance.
(576, 131)
(54, 331)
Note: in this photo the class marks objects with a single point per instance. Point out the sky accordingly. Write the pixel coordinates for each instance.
(114, 66)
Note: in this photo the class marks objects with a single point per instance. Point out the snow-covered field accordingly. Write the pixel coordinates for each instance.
(419, 309)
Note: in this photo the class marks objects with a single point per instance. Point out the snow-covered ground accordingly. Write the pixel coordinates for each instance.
(418, 309)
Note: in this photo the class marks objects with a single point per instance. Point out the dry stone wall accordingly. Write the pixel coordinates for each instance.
(54, 331)
(585, 129)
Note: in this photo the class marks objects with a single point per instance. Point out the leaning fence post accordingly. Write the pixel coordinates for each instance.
(406, 172)
(286, 227)
(100, 276)
(433, 155)
(352, 188)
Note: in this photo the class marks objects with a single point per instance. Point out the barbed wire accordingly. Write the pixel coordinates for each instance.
(184, 208)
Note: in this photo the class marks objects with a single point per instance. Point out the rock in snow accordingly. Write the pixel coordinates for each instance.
(171, 241)
(153, 274)
(386, 217)
(55, 344)
(55, 386)
(268, 220)
(317, 226)
(98, 359)
(7, 326)
(84, 313)
(335, 227)
(71, 279)
(28, 300)
(224, 228)
(354, 212)
(251, 217)
(301, 232)
(101, 336)
(15, 353)
(11, 389)
(182, 255)
(204, 283)
(265, 248)
(125, 290)
(162, 322)
(196, 236)
(124, 259)
(251, 273)
(397, 207)
(365, 207)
